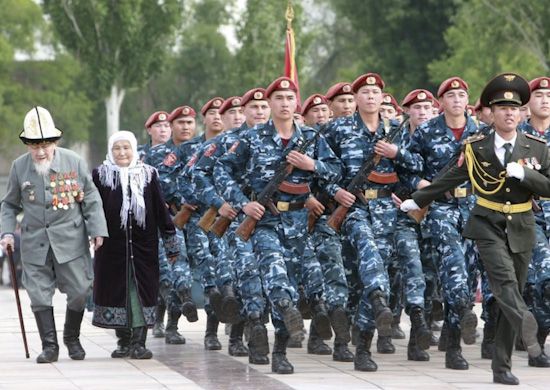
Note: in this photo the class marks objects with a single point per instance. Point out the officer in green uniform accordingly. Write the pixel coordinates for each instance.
(506, 168)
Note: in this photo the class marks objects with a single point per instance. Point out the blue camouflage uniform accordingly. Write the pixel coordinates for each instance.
(278, 240)
(436, 145)
(538, 276)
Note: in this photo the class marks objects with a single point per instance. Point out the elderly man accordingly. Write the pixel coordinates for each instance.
(62, 207)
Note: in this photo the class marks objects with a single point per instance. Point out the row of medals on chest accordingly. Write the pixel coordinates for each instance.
(64, 188)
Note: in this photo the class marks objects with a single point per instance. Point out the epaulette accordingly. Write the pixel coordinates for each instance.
(535, 138)
(473, 138)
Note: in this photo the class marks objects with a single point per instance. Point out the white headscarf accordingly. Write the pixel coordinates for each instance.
(132, 178)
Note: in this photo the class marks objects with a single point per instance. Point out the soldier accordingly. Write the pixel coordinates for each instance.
(436, 142)
(506, 168)
(256, 111)
(537, 289)
(341, 100)
(279, 236)
(483, 115)
(389, 109)
(175, 278)
(62, 207)
(158, 129)
(232, 113)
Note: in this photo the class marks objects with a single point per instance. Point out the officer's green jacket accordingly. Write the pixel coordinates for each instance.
(484, 223)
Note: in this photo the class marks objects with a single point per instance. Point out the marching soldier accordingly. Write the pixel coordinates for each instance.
(506, 168)
(389, 109)
(341, 100)
(158, 130)
(232, 113)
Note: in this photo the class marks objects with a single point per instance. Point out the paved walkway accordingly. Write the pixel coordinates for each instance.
(190, 367)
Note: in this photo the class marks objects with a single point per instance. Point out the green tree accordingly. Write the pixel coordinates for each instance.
(117, 41)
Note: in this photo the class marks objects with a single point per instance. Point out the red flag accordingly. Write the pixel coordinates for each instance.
(290, 60)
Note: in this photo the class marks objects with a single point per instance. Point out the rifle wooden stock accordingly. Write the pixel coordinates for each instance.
(208, 219)
(311, 220)
(182, 216)
(337, 217)
(246, 228)
(13, 275)
(418, 215)
(220, 226)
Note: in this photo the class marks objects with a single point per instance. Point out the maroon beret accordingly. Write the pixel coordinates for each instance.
(212, 103)
(157, 116)
(182, 111)
(253, 94)
(539, 83)
(338, 89)
(232, 102)
(281, 84)
(417, 95)
(367, 79)
(452, 83)
(312, 101)
(389, 100)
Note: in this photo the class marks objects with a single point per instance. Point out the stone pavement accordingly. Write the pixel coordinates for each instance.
(182, 367)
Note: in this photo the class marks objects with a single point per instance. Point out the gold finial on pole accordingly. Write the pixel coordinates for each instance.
(289, 14)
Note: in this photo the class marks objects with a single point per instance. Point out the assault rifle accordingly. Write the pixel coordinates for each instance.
(245, 229)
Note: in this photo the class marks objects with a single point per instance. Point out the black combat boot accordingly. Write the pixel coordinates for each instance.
(414, 352)
(211, 342)
(230, 305)
(46, 328)
(488, 342)
(291, 317)
(236, 346)
(279, 362)
(355, 334)
(303, 304)
(71, 334)
(396, 331)
(384, 345)
(468, 325)
(442, 346)
(438, 312)
(158, 327)
(215, 300)
(340, 325)
(137, 344)
(363, 360)
(453, 355)
(188, 307)
(382, 314)
(541, 360)
(171, 334)
(258, 346)
(419, 328)
(315, 344)
(321, 318)
(124, 336)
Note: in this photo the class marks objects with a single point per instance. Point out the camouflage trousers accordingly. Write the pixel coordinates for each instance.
(222, 260)
(428, 257)
(538, 277)
(328, 249)
(446, 222)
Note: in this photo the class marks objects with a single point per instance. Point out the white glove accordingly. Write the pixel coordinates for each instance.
(409, 205)
(513, 169)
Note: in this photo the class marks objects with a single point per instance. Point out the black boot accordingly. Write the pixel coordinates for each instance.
(414, 352)
(468, 325)
(340, 324)
(137, 344)
(71, 334)
(303, 304)
(438, 313)
(315, 345)
(341, 352)
(488, 343)
(384, 345)
(382, 314)
(188, 307)
(321, 319)
(46, 327)
(279, 362)
(171, 335)
(230, 305)
(396, 331)
(442, 346)
(453, 355)
(124, 336)
(211, 342)
(291, 317)
(158, 327)
(215, 299)
(363, 360)
(420, 329)
(258, 346)
(541, 360)
(355, 334)
(236, 346)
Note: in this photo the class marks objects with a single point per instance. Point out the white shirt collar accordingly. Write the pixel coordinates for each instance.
(499, 141)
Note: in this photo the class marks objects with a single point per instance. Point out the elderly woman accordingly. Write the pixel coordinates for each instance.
(126, 266)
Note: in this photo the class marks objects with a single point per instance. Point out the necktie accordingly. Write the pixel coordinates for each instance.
(508, 153)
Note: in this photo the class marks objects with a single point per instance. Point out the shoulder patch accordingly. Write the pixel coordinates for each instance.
(474, 138)
(535, 138)
(210, 151)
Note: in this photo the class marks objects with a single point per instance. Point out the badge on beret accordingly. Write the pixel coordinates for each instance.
(258, 95)
(421, 96)
(317, 100)
(185, 111)
(284, 84)
(544, 83)
(371, 80)
(508, 95)
(217, 103)
(387, 99)
(236, 102)
(162, 117)
(509, 77)
(455, 84)
(210, 151)
(346, 88)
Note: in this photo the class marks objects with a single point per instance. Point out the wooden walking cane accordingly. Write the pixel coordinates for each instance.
(16, 289)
